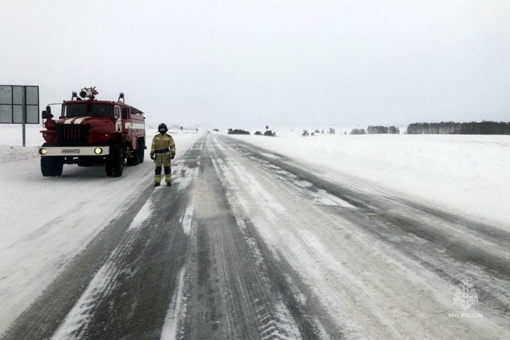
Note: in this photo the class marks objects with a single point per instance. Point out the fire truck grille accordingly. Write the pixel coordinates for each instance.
(72, 134)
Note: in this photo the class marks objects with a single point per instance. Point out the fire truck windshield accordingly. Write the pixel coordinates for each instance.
(83, 110)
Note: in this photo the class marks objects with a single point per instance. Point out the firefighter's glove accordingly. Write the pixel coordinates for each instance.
(172, 156)
(153, 156)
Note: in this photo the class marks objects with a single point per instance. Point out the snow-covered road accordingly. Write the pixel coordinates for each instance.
(246, 244)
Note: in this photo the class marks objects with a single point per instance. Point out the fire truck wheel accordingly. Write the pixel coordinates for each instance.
(51, 166)
(115, 165)
(138, 154)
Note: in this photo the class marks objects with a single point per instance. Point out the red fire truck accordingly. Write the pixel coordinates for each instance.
(90, 132)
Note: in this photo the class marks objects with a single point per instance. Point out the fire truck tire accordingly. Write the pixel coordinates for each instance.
(115, 165)
(51, 166)
(138, 155)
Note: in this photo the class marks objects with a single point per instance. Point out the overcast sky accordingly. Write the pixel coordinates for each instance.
(280, 62)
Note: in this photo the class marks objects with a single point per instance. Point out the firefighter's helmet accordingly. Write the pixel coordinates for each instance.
(162, 126)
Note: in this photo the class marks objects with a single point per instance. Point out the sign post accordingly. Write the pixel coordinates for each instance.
(24, 115)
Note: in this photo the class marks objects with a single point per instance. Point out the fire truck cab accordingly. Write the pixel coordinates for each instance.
(91, 132)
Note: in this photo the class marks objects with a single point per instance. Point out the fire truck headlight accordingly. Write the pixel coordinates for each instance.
(43, 151)
(98, 151)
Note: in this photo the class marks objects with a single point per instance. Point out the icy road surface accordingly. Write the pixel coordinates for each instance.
(248, 244)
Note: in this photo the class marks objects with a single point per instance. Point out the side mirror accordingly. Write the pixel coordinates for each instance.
(46, 115)
(116, 115)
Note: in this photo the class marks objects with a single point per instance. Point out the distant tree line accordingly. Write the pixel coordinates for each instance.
(330, 131)
(266, 133)
(472, 128)
(378, 129)
(238, 132)
(383, 130)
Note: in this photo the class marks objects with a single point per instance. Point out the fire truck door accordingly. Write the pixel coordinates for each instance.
(129, 130)
(118, 119)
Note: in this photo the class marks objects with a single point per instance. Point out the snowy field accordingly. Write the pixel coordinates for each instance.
(467, 174)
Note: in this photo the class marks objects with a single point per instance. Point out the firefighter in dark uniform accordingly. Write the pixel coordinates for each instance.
(162, 151)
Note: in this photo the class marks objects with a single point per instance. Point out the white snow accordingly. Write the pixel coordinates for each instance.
(187, 219)
(467, 174)
(176, 310)
(76, 322)
(143, 215)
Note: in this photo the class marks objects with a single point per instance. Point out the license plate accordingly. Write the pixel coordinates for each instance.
(71, 151)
